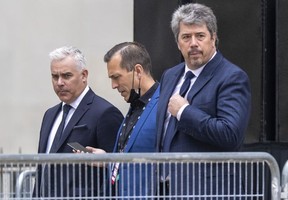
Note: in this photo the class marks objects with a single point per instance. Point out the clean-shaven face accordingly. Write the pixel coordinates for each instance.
(68, 81)
(121, 79)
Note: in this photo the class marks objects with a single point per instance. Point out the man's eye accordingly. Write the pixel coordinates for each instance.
(54, 77)
(186, 37)
(115, 77)
(200, 36)
(66, 76)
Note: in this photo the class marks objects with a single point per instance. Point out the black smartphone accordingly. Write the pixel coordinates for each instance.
(76, 146)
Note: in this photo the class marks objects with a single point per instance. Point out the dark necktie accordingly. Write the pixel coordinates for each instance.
(165, 142)
(60, 129)
(172, 121)
(186, 84)
(45, 174)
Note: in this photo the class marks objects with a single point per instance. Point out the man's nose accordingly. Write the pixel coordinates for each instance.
(60, 81)
(193, 41)
(114, 85)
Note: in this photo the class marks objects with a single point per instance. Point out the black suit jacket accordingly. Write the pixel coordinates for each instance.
(94, 123)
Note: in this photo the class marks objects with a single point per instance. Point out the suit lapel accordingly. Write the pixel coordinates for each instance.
(167, 89)
(49, 121)
(173, 81)
(140, 123)
(82, 108)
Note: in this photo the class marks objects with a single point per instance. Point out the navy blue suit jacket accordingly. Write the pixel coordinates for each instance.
(94, 123)
(218, 112)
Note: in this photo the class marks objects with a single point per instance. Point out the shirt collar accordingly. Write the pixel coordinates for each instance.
(144, 99)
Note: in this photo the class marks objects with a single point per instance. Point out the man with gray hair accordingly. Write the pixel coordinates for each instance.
(204, 106)
(89, 120)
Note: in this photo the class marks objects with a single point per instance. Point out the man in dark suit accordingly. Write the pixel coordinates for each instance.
(90, 121)
(212, 116)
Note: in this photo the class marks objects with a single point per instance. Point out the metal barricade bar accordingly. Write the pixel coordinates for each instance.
(284, 182)
(251, 167)
(21, 184)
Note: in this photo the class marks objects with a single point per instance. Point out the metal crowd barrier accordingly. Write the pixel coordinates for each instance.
(243, 175)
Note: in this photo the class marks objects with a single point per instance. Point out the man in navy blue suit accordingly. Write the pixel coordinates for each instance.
(212, 116)
(90, 121)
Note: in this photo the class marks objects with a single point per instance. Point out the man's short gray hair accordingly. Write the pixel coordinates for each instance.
(69, 51)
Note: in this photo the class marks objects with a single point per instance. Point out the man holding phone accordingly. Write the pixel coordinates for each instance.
(129, 67)
(78, 147)
(90, 120)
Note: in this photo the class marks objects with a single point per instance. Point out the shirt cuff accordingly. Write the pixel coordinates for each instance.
(179, 113)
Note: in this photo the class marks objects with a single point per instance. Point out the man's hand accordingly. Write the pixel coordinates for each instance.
(95, 151)
(91, 149)
(175, 103)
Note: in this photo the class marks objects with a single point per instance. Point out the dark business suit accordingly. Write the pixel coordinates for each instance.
(95, 123)
(215, 120)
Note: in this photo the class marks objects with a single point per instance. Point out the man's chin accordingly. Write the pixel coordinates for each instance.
(195, 63)
(125, 99)
(64, 98)
(123, 94)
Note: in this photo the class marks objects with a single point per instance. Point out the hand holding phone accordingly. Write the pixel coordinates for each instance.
(78, 147)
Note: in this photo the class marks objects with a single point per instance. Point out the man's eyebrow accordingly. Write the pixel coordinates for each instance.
(113, 75)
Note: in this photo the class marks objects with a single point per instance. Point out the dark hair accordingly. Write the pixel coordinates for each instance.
(132, 53)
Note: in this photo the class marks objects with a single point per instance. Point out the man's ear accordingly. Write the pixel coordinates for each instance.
(215, 40)
(138, 70)
(178, 46)
(85, 74)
